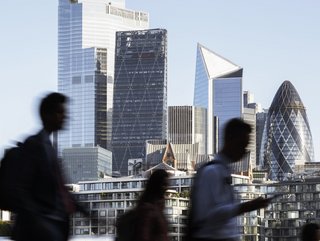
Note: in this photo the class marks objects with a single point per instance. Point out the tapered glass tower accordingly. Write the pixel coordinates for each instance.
(140, 94)
(218, 88)
(288, 140)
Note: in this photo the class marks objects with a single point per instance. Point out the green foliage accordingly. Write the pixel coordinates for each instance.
(185, 194)
(5, 228)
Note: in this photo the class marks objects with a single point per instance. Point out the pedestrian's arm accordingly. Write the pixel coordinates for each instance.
(254, 204)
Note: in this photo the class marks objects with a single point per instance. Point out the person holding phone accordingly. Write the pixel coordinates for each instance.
(213, 209)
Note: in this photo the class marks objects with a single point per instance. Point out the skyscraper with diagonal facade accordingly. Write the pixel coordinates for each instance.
(86, 42)
(288, 139)
(140, 94)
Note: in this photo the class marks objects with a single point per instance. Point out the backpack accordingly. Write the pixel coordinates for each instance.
(126, 226)
(9, 167)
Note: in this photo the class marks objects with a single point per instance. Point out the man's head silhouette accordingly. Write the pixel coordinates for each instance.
(236, 138)
(52, 111)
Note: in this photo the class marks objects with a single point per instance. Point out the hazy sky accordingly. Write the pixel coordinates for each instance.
(272, 40)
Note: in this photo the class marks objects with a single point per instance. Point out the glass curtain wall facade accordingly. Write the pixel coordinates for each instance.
(288, 140)
(218, 88)
(261, 118)
(140, 94)
(86, 42)
(86, 163)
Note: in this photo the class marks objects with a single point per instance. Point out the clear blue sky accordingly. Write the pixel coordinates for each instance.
(272, 40)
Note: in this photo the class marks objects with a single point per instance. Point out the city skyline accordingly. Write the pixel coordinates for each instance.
(272, 41)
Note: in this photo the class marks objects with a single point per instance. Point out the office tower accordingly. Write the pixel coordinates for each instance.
(86, 42)
(249, 116)
(261, 118)
(248, 98)
(188, 125)
(218, 88)
(252, 115)
(288, 139)
(86, 163)
(140, 94)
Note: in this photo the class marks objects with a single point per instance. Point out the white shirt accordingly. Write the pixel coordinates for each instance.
(214, 205)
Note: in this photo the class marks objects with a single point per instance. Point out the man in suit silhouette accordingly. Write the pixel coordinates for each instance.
(44, 202)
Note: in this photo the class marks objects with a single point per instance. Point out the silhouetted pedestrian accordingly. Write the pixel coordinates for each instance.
(44, 202)
(213, 208)
(152, 223)
(310, 232)
(147, 222)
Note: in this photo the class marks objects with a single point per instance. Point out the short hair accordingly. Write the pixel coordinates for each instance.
(309, 231)
(50, 103)
(235, 127)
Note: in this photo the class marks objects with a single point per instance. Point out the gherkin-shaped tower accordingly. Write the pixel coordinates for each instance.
(288, 140)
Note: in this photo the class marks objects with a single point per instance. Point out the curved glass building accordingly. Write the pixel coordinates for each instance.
(288, 140)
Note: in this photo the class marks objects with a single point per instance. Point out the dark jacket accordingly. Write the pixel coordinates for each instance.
(44, 203)
(152, 223)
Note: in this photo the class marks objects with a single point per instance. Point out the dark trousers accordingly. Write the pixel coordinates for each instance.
(38, 228)
(208, 239)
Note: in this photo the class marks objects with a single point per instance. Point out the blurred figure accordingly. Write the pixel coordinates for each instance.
(310, 232)
(213, 208)
(146, 222)
(152, 223)
(44, 202)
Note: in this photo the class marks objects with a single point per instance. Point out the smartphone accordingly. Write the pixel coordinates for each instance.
(274, 196)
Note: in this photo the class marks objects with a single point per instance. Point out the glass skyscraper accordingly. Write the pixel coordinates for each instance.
(140, 94)
(288, 140)
(218, 88)
(86, 43)
(86, 163)
(261, 118)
